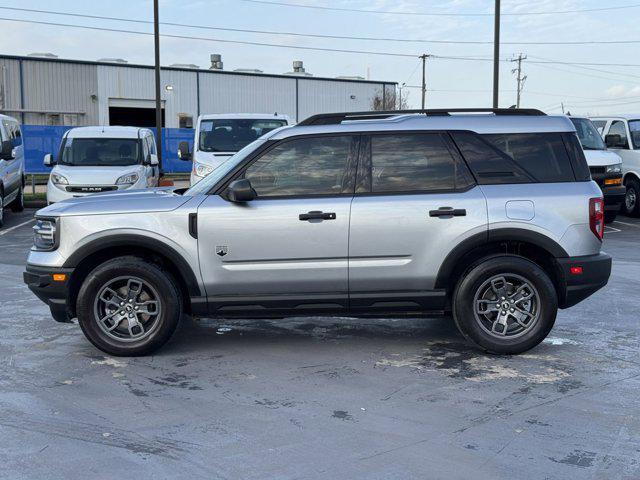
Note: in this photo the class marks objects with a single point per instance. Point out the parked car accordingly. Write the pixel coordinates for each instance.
(605, 166)
(621, 134)
(102, 159)
(491, 217)
(11, 166)
(219, 136)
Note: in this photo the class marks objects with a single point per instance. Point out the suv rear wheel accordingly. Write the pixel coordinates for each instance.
(128, 307)
(505, 304)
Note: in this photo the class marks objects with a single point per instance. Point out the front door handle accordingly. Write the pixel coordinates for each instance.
(317, 215)
(448, 212)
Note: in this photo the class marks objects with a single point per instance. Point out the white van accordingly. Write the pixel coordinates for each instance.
(622, 135)
(102, 159)
(11, 166)
(605, 166)
(219, 136)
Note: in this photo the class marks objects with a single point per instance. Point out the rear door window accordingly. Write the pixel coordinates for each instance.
(618, 128)
(541, 155)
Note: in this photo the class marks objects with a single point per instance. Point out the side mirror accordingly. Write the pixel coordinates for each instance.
(183, 151)
(240, 191)
(153, 159)
(48, 160)
(6, 152)
(615, 141)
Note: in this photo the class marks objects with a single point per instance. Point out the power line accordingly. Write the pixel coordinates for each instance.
(438, 14)
(315, 35)
(219, 40)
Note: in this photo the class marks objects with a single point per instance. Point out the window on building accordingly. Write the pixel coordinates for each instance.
(185, 121)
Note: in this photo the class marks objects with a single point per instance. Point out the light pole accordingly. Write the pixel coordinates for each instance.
(496, 54)
(156, 39)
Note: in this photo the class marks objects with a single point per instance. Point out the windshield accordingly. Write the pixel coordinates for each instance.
(100, 152)
(588, 134)
(634, 128)
(231, 135)
(208, 182)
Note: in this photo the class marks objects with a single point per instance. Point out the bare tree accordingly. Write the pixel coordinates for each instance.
(388, 101)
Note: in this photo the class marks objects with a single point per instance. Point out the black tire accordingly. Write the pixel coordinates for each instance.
(157, 281)
(631, 204)
(471, 324)
(610, 216)
(18, 204)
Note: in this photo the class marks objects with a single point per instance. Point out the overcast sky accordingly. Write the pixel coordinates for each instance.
(451, 83)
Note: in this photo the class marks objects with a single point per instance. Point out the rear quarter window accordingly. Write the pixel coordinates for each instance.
(542, 155)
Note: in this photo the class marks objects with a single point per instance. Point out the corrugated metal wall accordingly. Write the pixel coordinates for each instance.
(87, 88)
(223, 93)
(59, 86)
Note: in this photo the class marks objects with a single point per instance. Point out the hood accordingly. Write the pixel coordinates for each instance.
(95, 175)
(214, 159)
(162, 199)
(601, 158)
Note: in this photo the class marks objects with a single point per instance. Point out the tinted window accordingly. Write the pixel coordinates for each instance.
(542, 155)
(618, 128)
(85, 152)
(634, 127)
(305, 166)
(488, 164)
(231, 135)
(578, 160)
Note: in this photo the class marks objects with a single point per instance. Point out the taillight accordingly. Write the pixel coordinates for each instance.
(596, 217)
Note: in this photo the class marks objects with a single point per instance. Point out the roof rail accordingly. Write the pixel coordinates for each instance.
(335, 118)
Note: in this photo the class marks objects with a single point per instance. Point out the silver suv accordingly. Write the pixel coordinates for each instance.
(488, 215)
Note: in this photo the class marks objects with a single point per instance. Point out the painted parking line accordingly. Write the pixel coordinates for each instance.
(625, 223)
(610, 229)
(4, 232)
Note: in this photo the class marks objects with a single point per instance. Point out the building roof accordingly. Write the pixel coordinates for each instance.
(105, 132)
(479, 123)
(194, 70)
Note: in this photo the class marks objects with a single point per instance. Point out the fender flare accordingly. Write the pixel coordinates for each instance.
(498, 235)
(132, 240)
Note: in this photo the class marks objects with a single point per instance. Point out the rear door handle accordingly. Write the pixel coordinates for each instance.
(317, 215)
(448, 212)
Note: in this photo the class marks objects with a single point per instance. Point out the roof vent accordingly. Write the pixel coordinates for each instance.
(112, 60)
(184, 65)
(248, 70)
(42, 55)
(216, 62)
(298, 69)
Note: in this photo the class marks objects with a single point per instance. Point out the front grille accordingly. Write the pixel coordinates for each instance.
(91, 188)
(597, 170)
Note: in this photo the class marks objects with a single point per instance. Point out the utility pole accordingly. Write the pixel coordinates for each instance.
(496, 54)
(424, 57)
(519, 77)
(156, 38)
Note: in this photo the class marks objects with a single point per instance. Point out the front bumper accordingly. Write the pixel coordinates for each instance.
(575, 287)
(54, 293)
(613, 196)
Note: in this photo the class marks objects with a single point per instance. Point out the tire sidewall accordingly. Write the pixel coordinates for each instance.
(463, 303)
(170, 304)
(635, 186)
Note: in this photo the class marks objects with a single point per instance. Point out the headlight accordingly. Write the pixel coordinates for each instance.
(45, 234)
(617, 168)
(128, 179)
(58, 179)
(201, 170)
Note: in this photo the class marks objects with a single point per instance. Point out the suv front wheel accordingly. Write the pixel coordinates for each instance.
(128, 307)
(505, 304)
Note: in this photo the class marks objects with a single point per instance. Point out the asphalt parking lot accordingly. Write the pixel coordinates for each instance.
(322, 398)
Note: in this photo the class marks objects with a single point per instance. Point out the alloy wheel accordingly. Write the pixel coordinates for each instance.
(506, 306)
(630, 199)
(127, 309)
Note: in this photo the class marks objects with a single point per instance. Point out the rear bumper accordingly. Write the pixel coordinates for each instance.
(54, 293)
(613, 196)
(575, 287)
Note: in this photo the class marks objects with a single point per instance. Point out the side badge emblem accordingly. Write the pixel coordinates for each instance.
(221, 250)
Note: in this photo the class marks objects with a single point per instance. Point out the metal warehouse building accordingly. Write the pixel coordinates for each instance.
(46, 90)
